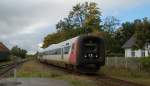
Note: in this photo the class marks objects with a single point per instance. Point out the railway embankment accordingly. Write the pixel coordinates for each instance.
(6, 69)
(106, 77)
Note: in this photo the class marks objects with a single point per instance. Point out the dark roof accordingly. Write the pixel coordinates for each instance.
(130, 42)
(3, 48)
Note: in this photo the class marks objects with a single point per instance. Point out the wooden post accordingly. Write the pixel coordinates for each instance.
(107, 61)
(116, 62)
(15, 68)
(126, 63)
(15, 73)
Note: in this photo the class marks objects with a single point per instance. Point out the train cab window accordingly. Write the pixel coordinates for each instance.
(90, 47)
(66, 49)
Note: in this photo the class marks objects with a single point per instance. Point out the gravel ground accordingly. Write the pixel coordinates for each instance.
(33, 82)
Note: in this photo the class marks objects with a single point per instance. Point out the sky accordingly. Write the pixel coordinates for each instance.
(26, 22)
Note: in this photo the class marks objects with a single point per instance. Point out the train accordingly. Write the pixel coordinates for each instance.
(84, 54)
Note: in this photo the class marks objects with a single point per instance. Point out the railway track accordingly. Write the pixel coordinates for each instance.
(6, 68)
(99, 79)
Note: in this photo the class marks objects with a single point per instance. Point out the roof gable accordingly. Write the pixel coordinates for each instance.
(130, 42)
(3, 48)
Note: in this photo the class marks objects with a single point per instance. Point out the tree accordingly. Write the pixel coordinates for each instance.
(142, 34)
(86, 16)
(110, 23)
(123, 33)
(83, 18)
(16, 51)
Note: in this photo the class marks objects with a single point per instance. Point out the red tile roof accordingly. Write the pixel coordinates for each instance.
(3, 48)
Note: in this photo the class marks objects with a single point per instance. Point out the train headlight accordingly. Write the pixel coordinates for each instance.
(96, 56)
(91, 55)
(85, 56)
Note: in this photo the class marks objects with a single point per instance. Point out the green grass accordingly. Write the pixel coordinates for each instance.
(32, 69)
(37, 74)
(75, 81)
(140, 77)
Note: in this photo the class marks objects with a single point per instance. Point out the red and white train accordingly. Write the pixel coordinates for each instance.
(85, 54)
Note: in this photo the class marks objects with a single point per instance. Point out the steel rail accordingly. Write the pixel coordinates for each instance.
(5, 68)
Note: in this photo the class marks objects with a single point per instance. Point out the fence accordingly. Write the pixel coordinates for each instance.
(129, 63)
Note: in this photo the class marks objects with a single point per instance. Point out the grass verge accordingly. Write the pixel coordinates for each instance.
(33, 69)
(140, 77)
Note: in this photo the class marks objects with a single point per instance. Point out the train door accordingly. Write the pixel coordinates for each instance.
(62, 53)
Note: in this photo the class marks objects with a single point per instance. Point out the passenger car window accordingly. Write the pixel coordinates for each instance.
(66, 49)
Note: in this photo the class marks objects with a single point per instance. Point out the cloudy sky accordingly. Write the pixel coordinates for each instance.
(26, 22)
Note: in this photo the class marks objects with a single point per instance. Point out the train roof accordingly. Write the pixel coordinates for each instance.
(68, 42)
(63, 43)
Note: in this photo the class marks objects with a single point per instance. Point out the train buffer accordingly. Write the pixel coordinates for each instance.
(32, 82)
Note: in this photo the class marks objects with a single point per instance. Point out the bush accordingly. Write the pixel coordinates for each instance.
(145, 61)
(16, 51)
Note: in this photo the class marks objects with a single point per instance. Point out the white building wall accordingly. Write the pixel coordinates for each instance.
(127, 52)
(146, 52)
(138, 53)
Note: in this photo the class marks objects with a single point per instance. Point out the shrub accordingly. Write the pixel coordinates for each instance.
(16, 51)
(145, 62)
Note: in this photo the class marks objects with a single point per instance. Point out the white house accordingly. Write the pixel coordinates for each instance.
(129, 52)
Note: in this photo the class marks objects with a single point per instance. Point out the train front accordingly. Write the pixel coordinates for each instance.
(90, 54)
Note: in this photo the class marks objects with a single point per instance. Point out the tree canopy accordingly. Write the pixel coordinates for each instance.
(86, 18)
(83, 18)
(16, 51)
(142, 33)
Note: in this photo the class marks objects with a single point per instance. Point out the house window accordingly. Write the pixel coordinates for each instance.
(147, 45)
(143, 53)
(133, 53)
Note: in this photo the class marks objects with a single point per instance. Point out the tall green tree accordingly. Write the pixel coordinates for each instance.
(83, 18)
(123, 33)
(142, 34)
(110, 24)
(16, 51)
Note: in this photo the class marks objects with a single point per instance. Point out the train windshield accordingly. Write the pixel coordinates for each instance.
(90, 46)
